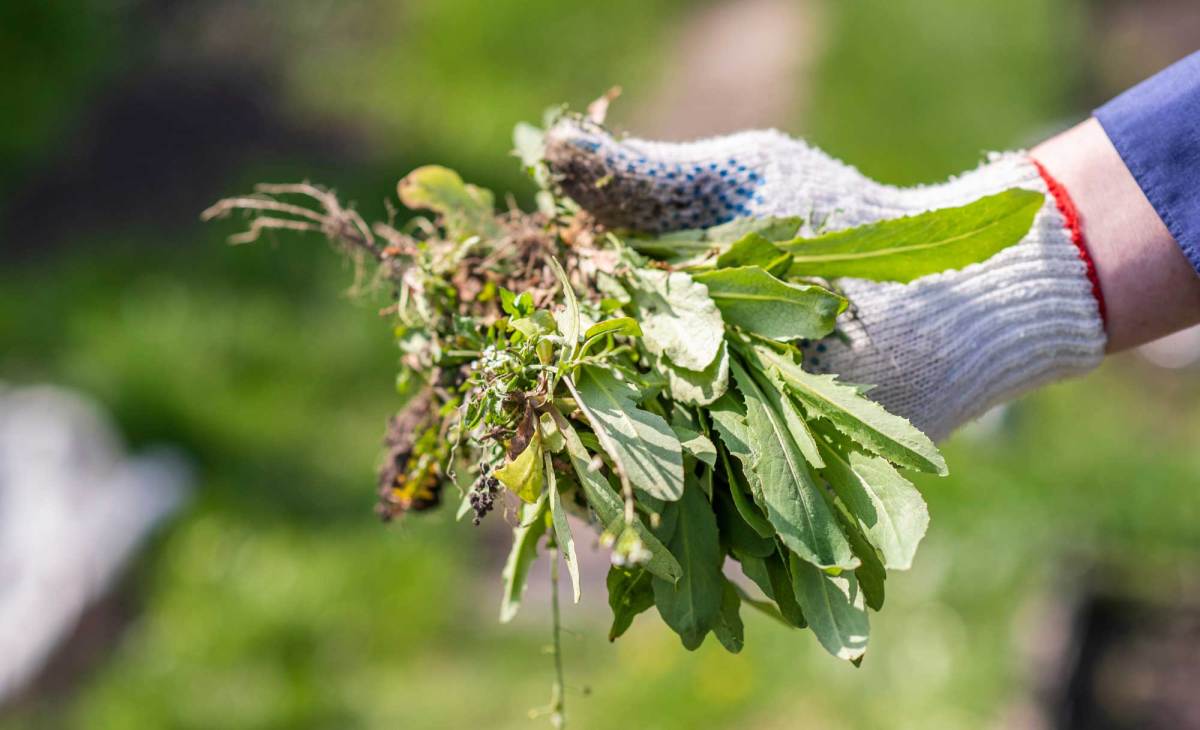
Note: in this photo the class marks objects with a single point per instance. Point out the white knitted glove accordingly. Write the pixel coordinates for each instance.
(940, 350)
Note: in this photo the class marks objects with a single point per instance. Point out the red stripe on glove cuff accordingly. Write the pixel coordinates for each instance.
(1070, 215)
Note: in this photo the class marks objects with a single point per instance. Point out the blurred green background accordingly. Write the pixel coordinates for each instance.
(277, 600)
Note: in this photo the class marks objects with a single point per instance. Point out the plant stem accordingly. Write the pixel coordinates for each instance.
(558, 712)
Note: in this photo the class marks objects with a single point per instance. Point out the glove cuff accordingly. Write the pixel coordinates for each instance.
(947, 347)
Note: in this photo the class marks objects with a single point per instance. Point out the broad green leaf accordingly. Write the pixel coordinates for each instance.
(834, 607)
(607, 504)
(755, 250)
(792, 414)
(791, 496)
(904, 249)
(626, 326)
(562, 529)
(771, 575)
(887, 507)
(754, 300)
(526, 534)
(729, 629)
(863, 420)
(692, 605)
(629, 593)
(523, 474)
(698, 388)
(678, 319)
(736, 532)
(467, 210)
(641, 444)
(696, 444)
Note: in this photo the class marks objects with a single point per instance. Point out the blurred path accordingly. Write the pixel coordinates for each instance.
(736, 64)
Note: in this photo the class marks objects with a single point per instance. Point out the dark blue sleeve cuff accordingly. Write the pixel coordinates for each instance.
(1155, 127)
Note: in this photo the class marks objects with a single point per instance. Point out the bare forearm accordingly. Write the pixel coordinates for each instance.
(1149, 287)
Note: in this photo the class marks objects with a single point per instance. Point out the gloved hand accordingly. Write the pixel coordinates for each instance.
(940, 350)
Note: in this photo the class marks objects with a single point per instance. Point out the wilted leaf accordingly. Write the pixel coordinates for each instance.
(522, 475)
(467, 210)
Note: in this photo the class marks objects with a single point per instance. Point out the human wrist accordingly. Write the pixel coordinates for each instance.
(1149, 287)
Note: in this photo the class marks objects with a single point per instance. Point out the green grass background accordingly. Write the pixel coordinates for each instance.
(277, 601)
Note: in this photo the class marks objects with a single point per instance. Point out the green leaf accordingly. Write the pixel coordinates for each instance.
(834, 607)
(571, 325)
(793, 500)
(678, 319)
(627, 326)
(466, 210)
(754, 249)
(641, 444)
(696, 444)
(730, 420)
(698, 239)
(758, 302)
(562, 529)
(607, 504)
(552, 440)
(736, 532)
(526, 534)
(887, 507)
(863, 420)
(771, 575)
(729, 629)
(629, 593)
(904, 249)
(692, 605)
(523, 474)
(766, 608)
(698, 388)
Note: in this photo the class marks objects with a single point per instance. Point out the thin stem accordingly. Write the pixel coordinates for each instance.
(558, 711)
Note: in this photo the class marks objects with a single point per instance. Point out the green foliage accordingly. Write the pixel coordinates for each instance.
(644, 449)
(758, 302)
(691, 606)
(904, 249)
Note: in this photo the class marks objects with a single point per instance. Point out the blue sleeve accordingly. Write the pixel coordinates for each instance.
(1155, 127)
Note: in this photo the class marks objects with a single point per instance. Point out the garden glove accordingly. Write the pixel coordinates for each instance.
(940, 350)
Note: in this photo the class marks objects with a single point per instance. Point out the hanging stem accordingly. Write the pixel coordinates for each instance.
(558, 712)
